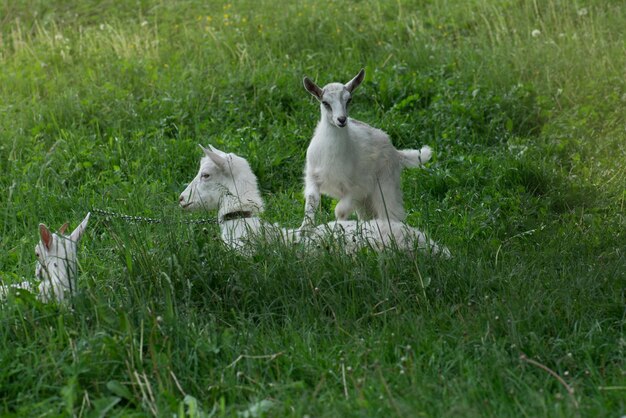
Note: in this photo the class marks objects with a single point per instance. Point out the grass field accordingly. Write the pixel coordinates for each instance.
(103, 103)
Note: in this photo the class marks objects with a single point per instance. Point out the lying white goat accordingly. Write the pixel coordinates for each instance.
(352, 161)
(226, 182)
(57, 264)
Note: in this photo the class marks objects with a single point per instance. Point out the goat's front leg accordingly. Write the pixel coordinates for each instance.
(344, 208)
(312, 202)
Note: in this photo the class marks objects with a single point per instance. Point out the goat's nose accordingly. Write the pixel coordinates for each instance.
(341, 120)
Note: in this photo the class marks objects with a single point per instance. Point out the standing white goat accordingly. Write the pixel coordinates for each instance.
(226, 182)
(352, 161)
(57, 263)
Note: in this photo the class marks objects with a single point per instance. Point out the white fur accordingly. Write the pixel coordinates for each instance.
(5, 289)
(226, 182)
(352, 161)
(377, 234)
(57, 264)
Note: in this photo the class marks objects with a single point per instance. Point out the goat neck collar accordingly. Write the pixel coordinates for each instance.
(238, 214)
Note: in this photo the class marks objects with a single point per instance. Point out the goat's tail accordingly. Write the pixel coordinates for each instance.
(415, 158)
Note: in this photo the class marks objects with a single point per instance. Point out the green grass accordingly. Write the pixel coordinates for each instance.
(102, 105)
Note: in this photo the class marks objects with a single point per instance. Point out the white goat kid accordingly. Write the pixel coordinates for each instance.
(226, 182)
(57, 266)
(57, 263)
(352, 161)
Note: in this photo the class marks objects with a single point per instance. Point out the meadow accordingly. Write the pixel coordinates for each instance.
(103, 105)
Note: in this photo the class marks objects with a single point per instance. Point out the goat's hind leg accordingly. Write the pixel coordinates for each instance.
(364, 209)
(387, 201)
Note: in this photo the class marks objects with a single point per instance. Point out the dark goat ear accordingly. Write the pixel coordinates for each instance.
(312, 88)
(46, 236)
(63, 228)
(356, 81)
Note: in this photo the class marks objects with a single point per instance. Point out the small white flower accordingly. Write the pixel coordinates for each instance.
(535, 33)
(583, 11)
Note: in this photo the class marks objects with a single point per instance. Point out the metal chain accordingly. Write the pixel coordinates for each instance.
(146, 220)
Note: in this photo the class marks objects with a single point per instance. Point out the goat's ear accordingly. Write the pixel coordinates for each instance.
(46, 236)
(80, 229)
(219, 160)
(218, 152)
(204, 150)
(312, 88)
(63, 228)
(356, 81)
(212, 149)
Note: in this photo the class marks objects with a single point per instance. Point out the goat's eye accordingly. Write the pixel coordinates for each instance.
(205, 175)
(326, 105)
